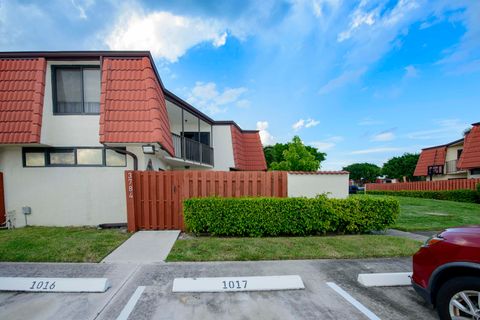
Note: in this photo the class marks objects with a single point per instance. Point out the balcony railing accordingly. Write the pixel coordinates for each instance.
(192, 150)
(451, 166)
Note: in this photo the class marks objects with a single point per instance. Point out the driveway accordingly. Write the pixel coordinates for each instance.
(157, 301)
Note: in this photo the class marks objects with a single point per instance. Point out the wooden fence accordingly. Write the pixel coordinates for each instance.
(426, 185)
(2, 202)
(154, 198)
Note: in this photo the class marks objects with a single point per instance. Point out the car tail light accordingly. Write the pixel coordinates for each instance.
(432, 240)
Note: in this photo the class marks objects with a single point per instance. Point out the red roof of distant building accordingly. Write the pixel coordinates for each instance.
(247, 150)
(22, 86)
(470, 157)
(430, 157)
(132, 105)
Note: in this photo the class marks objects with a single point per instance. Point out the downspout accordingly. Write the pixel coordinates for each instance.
(129, 153)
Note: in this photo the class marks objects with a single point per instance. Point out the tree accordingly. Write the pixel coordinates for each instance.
(399, 167)
(293, 156)
(363, 172)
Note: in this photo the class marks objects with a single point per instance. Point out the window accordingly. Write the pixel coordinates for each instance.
(34, 159)
(90, 157)
(64, 157)
(459, 153)
(76, 89)
(68, 157)
(475, 171)
(115, 159)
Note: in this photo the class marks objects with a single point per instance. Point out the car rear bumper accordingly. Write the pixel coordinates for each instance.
(424, 293)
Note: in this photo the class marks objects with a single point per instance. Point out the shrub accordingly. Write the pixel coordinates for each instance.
(288, 216)
(460, 195)
(478, 189)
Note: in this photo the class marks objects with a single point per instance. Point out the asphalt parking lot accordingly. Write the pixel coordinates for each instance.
(317, 301)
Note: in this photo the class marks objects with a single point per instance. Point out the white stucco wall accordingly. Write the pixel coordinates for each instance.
(63, 196)
(223, 148)
(310, 185)
(460, 175)
(452, 152)
(67, 130)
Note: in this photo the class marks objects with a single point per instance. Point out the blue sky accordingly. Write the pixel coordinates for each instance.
(360, 80)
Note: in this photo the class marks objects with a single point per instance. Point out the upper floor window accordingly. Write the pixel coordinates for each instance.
(76, 89)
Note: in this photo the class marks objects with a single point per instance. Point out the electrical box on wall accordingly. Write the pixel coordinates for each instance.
(26, 210)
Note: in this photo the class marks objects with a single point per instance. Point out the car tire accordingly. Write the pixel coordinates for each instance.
(449, 289)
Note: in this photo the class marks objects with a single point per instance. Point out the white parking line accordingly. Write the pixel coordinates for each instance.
(370, 315)
(131, 304)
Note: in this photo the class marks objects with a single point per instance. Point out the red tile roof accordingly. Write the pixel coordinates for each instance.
(318, 172)
(430, 157)
(22, 85)
(132, 104)
(247, 150)
(470, 157)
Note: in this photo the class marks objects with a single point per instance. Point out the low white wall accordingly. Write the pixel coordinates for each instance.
(310, 185)
(63, 196)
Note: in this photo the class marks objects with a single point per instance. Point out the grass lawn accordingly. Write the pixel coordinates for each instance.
(53, 244)
(285, 248)
(429, 214)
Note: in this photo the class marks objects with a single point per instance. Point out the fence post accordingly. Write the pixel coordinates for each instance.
(130, 194)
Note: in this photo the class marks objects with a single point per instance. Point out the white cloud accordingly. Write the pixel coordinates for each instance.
(82, 7)
(384, 136)
(265, 136)
(298, 125)
(322, 145)
(244, 103)
(326, 144)
(320, 6)
(206, 97)
(374, 29)
(166, 35)
(445, 129)
(459, 58)
(309, 123)
(359, 18)
(375, 150)
(342, 80)
(411, 72)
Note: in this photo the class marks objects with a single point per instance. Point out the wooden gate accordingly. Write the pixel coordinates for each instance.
(2, 202)
(154, 198)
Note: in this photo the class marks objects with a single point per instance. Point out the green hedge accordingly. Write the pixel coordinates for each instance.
(288, 216)
(461, 195)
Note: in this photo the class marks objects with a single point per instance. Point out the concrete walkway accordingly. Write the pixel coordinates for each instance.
(144, 247)
(409, 235)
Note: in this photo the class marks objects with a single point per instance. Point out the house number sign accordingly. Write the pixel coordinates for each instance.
(130, 184)
(235, 284)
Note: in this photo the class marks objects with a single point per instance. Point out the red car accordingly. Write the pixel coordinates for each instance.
(446, 272)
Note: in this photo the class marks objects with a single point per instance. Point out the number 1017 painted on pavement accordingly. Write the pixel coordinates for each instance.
(234, 285)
